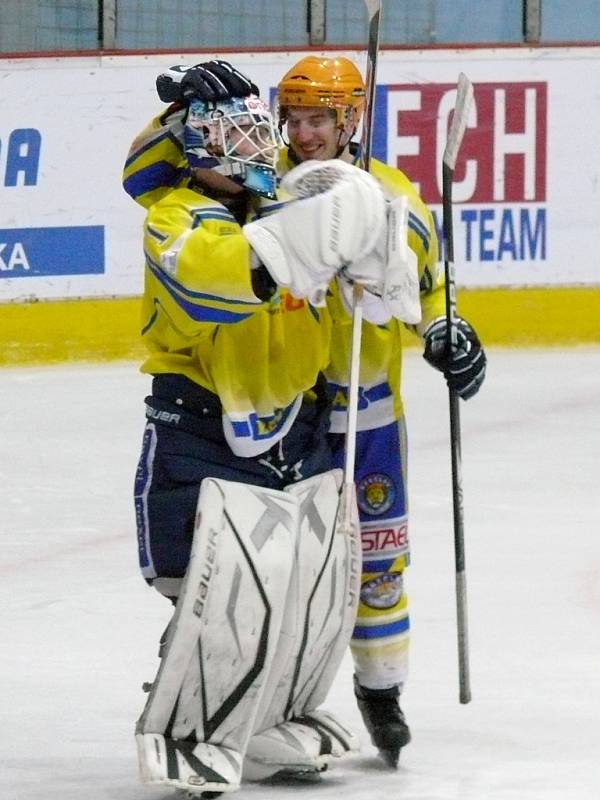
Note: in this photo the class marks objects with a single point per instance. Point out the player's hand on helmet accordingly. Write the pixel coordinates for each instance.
(336, 217)
(464, 363)
(211, 80)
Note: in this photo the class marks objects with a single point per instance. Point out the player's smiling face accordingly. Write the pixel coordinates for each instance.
(312, 133)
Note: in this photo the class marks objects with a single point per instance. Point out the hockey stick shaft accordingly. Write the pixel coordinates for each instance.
(374, 11)
(463, 102)
(374, 15)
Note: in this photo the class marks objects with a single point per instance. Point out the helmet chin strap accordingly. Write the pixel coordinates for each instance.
(341, 147)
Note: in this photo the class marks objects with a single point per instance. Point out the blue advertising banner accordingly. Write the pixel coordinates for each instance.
(74, 250)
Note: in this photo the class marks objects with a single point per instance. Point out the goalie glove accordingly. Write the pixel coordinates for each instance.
(389, 273)
(463, 364)
(335, 218)
(211, 80)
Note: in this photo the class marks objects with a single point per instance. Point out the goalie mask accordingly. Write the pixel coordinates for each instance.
(237, 137)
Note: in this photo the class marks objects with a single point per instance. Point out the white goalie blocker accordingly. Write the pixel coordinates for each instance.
(265, 614)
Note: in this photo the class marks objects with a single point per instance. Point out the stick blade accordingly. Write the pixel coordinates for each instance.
(464, 99)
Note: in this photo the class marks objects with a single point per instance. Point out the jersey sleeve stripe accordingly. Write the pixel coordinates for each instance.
(161, 136)
(201, 215)
(152, 319)
(200, 313)
(417, 226)
(174, 286)
(149, 178)
(160, 237)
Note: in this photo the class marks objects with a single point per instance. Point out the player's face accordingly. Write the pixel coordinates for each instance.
(312, 133)
(244, 141)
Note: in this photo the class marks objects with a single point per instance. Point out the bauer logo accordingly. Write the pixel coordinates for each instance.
(500, 175)
(34, 252)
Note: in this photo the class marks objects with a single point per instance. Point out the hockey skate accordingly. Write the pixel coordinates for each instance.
(384, 720)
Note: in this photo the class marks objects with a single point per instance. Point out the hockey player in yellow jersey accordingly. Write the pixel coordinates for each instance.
(247, 320)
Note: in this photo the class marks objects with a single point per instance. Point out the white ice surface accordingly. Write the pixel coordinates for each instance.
(80, 628)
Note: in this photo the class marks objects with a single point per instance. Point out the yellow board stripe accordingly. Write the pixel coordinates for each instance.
(533, 316)
(108, 329)
(51, 331)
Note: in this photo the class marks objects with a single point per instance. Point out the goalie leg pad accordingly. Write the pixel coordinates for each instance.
(187, 765)
(222, 639)
(290, 735)
(303, 745)
(321, 603)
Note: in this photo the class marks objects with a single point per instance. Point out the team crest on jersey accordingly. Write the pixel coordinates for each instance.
(384, 591)
(376, 493)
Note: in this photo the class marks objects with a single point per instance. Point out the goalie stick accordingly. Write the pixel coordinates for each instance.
(464, 97)
(374, 8)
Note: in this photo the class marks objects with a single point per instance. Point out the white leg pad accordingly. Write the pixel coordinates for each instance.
(302, 745)
(322, 601)
(316, 630)
(186, 765)
(222, 640)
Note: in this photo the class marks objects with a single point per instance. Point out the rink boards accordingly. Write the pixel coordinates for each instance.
(109, 329)
(525, 216)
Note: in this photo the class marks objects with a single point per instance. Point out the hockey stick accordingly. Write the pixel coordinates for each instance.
(374, 14)
(374, 10)
(464, 97)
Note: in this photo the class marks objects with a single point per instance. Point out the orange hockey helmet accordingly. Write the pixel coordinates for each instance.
(320, 82)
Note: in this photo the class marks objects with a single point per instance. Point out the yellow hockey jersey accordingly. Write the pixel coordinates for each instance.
(202, 319)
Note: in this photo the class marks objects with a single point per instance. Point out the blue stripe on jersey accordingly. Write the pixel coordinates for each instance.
(313, 311)
(418, 223)
(194, 311)
(178, 144)
(171, 283)
(150, 322)
(204, 314)
(378, 392)
(378, 566)
(419, 228)
(241, 428)
(144, 148)
(379, 631)
(161, 237)
(365, 396)
(200, 215)
(145, 180)
(261, 428)
(154, 141)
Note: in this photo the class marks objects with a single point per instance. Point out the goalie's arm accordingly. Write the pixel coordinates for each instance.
(198, 264)
(155, 164)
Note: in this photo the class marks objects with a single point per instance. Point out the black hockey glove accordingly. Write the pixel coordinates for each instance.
(463, 365)
(211, 80)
